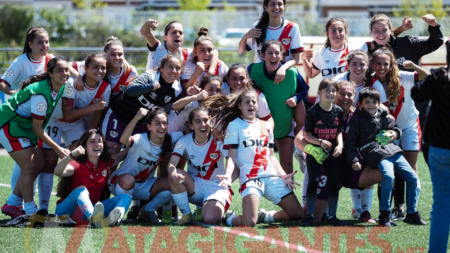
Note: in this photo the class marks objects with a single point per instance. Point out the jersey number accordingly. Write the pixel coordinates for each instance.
(323, 181)
(53, 130)
(115, 124)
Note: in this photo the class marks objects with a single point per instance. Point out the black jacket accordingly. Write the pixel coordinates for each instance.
(360, 136)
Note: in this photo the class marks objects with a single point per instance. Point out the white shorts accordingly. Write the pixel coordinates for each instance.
(206, 190)
(141, 191)
(292, 132)
(411, 138)
(272, 188)
(69, 132)
(12, 144)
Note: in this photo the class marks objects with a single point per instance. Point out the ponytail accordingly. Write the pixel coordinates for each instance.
(263, 23)
(202, 36)
(115, 41)
(31, 35)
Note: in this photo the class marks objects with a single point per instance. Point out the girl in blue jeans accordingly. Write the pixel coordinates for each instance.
(84, 173)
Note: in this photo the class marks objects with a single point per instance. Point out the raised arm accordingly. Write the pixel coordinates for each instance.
(421, 71)
(146, 31)
(125, 139)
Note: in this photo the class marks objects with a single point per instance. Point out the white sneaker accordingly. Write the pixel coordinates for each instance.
(98, 216)
(262, 216)
(148, 216)
(301, 158)
(115, 216)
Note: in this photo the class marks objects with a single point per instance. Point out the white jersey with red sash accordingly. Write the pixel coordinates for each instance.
(205, 160)
(287, 33)
(252, 139)
(189, 68)
(89, 96)
(158, 51)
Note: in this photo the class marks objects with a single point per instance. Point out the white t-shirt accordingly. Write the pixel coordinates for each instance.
(204, 160)
(143, 157)
(158, 51)
(252, 142)
(405, 112)
(113, 78)
(22, 68)
(68, 93)
(291, 39)
(189, 68)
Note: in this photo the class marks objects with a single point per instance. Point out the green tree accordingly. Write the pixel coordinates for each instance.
(418, 8)
(14, 23)
(57, 26)
(193, 4)
(93, 3)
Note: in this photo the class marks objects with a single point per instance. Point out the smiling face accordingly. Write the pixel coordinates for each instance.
(96, 70)
(213, 88)
(60, 75)
(175, 35)
(94, 145)
(328, 94)
(336, 33)
(115, 56)
(171, 71)
(358, 67)
(203, 51)
(237, 79)
(249, 106)
(345, 97)
(201, 126)
(40, 44)
(275, 8)
(272, 57)
(370, 105)
(158, 127)
(381, 32)
(381, 64)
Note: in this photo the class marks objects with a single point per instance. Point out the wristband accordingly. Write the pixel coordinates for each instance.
(72, 157)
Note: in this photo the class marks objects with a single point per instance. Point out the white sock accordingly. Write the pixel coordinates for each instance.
(356, 199)
(135, 202)
(159, 200)
(230, 219)
(118, 190)
(181, 199)
(305, 187)
(30, 207)
(45, 189)
(13, 200)
(269, 217)
(15, 175)
(366, 199)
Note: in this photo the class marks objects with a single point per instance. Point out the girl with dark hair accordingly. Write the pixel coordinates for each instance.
(285, 99)
(199, 185)
(436, 87)
(136, 174)
(204, 60)
(23, 118)
(250, 146)
(272, 26)
(84, 173)
(120, 73)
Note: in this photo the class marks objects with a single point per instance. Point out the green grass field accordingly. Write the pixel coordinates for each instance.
(397, 239)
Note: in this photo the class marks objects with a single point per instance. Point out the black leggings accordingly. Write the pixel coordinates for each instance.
(331, 167)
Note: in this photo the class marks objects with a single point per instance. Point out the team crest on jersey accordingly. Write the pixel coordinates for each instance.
(336, 122)
(41, 107)
(114, 134)
(178, 145)
(318, 191)
(214, 156)
(227, 134)
(286, 41)
(104, 173)
(153, 95)
(122, 87)
(95, 100)
(167, 99)
(265, 132)
(69, 92)
(9, 73)
(187, 71)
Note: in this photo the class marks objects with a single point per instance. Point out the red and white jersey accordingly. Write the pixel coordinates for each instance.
(252, 141)
(22, 68)
(69, 94)
(189, 68)
(263, 108)
(89, 96)
(287, 33)
(179, 120)
(158, 51)
(119, 82)
(405, 112)
(143, 158)
(331, 62)
(359, 87)
(205, 160)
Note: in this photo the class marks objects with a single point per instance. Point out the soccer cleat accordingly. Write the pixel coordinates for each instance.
(114, 217)
(261, 216)
(414, 219)
(133, 213)
(365, 217)
(185, 219)
(384, 219)
(198, 215)
(334, 221)
(42, 212)
(356, 214)
(398, 213)
(148, 216)
(308, 221)
(167, 217)
(13, 211)
(316, 152)
(301, 158)
(98, 217)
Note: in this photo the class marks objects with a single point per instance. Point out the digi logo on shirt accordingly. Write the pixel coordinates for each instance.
(251, 143)
(147, 103)
(333, 71)
(147, 162)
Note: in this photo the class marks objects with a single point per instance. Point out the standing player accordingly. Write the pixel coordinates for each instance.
(22, 121)
(201, 182)
(272, 26)
(250, 144)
